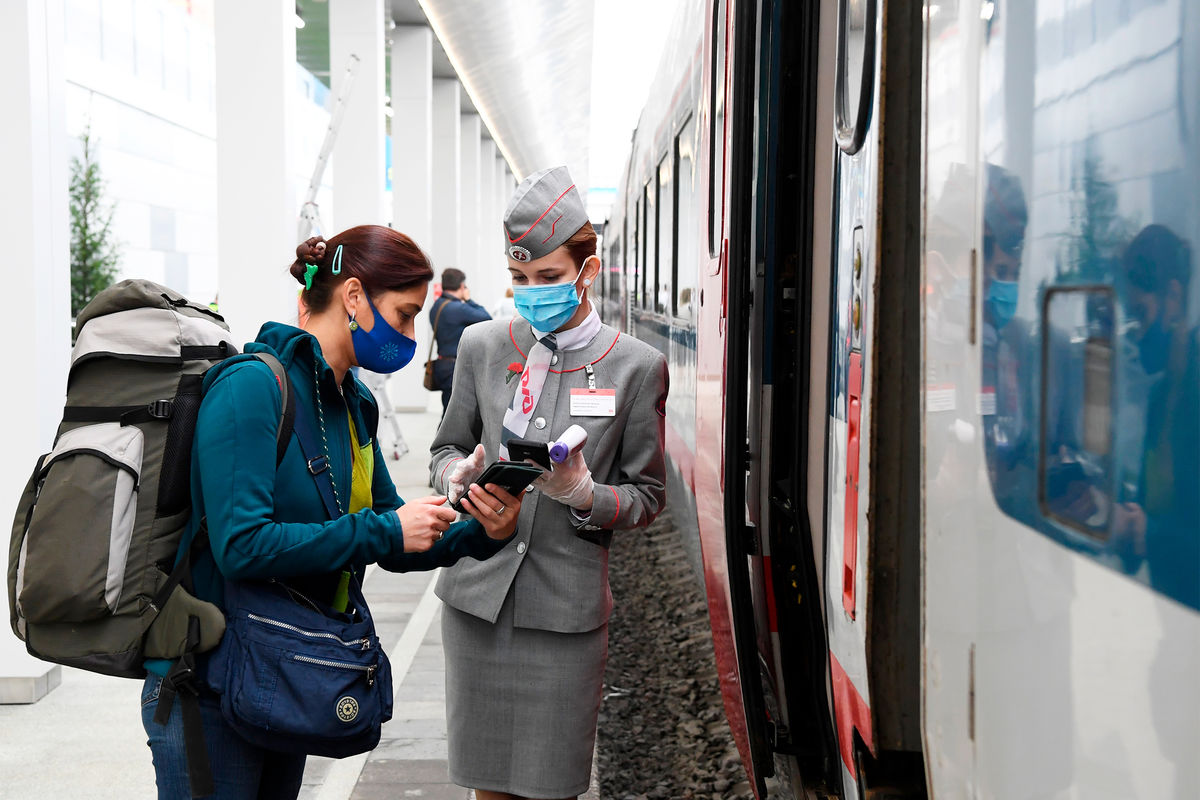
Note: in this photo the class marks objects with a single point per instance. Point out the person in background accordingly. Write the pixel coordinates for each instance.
(505, 308)
(450, 315)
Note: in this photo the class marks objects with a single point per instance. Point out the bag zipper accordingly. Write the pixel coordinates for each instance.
(369, 670)
(364, 643)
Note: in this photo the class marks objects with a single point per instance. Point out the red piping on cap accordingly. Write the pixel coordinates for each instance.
(539, 219)
(551, 236)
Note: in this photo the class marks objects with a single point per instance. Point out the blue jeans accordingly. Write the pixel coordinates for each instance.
(241, 771)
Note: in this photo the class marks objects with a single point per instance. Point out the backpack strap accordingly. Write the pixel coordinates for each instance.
(287, 422)
(436, 317)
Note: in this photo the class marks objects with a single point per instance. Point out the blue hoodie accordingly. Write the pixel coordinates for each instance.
(265, 522)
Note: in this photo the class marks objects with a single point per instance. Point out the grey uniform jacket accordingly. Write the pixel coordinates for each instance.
(557, 564)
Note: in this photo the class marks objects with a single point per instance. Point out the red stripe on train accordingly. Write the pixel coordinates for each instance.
(850, 711)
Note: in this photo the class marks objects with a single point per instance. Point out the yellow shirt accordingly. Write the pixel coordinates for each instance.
(362, 473)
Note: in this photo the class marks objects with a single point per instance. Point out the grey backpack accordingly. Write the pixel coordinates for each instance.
(91, 582)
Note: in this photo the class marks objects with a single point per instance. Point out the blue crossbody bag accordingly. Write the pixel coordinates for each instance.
(296, 676)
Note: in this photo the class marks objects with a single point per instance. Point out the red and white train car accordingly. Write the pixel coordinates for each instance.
(922, 272)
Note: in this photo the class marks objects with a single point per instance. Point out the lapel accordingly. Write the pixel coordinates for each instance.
(522, 338)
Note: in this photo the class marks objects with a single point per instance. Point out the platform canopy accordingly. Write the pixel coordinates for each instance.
(527, 67)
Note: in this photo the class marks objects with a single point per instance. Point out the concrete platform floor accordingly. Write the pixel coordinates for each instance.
(85, 738)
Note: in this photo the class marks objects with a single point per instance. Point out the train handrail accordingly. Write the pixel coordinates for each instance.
(850, 138)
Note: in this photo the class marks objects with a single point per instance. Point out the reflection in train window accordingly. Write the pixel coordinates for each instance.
(1089, 401)
(1075, 470)
(684, 278)
(664, 264)
(716, 137)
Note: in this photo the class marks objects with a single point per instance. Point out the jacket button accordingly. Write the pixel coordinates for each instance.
(520, 548)
(539, 423)
(554, 359)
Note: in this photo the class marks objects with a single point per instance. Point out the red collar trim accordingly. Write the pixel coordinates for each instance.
(513, 339)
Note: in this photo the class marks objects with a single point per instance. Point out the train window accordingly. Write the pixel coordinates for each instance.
(649, 276)
(855, 71)
(686, 269)
(716, 130)
(1077, 393)
(664, 265)
(635, 245)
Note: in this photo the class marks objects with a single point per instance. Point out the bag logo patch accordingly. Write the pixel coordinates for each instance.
(347, 709)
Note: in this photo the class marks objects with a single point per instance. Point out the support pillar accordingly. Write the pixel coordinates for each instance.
(487, 246)
(446, 207)
(37, 323)
(356, 29)
(258, 203)
(412, 132)
(412, 181)
(468, 254)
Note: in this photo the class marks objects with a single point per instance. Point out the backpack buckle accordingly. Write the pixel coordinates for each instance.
(318, 465)
(160, 409)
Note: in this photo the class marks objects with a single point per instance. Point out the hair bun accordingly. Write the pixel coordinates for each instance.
(311, 250)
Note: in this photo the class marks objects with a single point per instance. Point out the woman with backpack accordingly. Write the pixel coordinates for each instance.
(526, 633)
(268, 516)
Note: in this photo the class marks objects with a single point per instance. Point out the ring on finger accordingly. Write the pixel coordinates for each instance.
(501, 509)
(437, 536)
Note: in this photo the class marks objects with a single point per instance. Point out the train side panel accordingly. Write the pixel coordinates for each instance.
(1062, 400)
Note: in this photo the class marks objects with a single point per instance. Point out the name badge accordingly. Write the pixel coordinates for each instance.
(593, 402)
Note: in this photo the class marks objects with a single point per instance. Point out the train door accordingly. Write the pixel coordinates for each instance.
(773, 575)
(872, 542)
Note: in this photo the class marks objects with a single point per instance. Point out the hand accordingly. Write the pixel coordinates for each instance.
(423, 521)
(464, 474)
(495, 509)
(570, 483)
(464, 293)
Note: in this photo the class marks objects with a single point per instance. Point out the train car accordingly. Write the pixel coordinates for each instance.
(924, 276)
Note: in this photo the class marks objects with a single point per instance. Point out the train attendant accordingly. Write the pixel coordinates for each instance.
(526, 633)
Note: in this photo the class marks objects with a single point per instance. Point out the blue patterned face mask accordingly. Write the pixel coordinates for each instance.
(383, 349)
(1002, 299)
(547, 308)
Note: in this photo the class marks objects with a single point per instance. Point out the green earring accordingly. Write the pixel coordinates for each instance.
(353, 325)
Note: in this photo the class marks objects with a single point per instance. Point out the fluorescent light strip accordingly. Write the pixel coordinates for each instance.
(438, 30)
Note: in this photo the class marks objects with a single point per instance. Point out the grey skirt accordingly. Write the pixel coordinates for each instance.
(521, 704)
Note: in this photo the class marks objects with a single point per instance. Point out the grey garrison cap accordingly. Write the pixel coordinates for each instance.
(544, 212)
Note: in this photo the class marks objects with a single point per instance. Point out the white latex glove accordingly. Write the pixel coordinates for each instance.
(570, 483)
(464, 474)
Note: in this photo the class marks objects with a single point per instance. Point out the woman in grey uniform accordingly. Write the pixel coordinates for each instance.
(526, 632)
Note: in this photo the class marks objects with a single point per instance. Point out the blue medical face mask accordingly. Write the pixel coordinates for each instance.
(382, 349)
(1002, 300)
(547, 307)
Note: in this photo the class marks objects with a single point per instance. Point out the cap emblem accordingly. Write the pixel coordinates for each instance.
(518, 253)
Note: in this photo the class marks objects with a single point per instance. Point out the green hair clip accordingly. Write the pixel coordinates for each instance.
(309, 271)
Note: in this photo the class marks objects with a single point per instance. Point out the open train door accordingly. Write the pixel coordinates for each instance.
(772, 567)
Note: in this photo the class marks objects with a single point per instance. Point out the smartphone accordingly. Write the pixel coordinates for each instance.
(537, 452)
(512, 476)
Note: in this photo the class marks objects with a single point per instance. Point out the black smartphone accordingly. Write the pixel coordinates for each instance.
(512, 476)
(537, 452)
